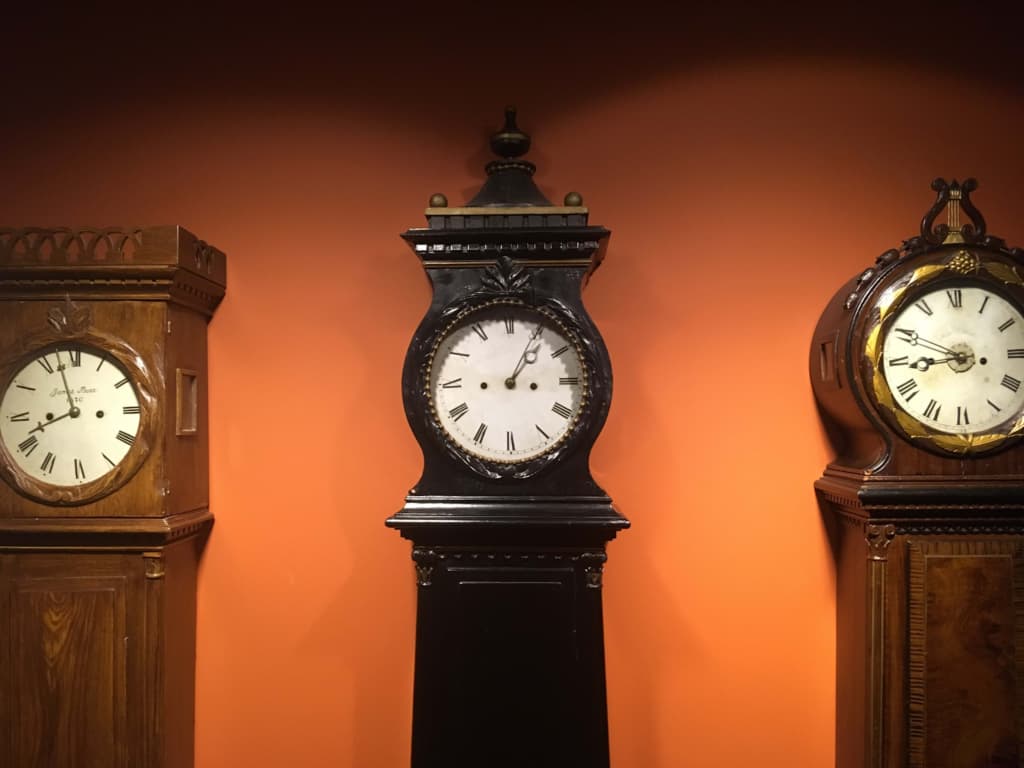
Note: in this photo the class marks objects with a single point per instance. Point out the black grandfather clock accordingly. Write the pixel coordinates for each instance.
(918, 368)
(506, 386)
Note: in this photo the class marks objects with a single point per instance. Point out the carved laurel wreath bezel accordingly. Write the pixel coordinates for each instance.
(568, 324)
(142, 379)
(995, 275)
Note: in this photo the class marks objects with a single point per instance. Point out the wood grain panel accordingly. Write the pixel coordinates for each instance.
(965, 628)
(67, 645)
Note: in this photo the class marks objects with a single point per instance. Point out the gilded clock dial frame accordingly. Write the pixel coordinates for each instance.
(564, 322)
(141, 380)
(963, 269)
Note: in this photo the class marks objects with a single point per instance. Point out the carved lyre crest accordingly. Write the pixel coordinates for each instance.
(954, 198)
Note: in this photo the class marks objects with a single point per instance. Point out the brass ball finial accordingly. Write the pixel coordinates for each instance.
(573, 199)
(437, 200)
(510, 142)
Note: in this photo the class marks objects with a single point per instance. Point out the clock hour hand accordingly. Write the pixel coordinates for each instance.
(924, 363)
(40, 427)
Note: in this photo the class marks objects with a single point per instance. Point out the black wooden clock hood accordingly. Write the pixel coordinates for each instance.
(509, 240)
(509, 546)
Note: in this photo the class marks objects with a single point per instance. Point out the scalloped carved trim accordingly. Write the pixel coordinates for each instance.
(66, 245)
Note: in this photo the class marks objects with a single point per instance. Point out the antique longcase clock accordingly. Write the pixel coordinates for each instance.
(103, 491)
(506, 386)
(917, 365)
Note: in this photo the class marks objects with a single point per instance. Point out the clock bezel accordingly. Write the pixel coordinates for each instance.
(571, 328)
(964, 268)
(144, 383)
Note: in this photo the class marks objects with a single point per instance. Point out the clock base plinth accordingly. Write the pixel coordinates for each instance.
(99, 626)
(509, 641)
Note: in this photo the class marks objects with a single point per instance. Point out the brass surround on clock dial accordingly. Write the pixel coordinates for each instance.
(962, 268)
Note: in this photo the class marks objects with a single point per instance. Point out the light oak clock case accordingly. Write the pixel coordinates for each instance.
(97, 590)
(927, 527)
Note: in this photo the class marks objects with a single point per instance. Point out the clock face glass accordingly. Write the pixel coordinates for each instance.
(69, 416)
(954, 360)
(507, 382)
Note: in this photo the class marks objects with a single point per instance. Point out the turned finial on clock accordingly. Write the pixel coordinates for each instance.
(509, 180)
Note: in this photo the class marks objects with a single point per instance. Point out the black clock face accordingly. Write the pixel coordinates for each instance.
(507, 382)
(69, 416)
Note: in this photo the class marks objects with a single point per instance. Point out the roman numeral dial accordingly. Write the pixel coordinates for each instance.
(70, 415)
(953, 359)
(507, 382)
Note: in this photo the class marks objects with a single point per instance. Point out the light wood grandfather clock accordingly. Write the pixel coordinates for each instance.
(506, 386)
(918, 368)
(103, 492)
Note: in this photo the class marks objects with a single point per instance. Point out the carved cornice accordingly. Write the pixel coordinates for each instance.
(146, 263)
(546, 250)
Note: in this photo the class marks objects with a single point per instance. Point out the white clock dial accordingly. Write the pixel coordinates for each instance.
(69, 416)
(954, 360)
(507, 382)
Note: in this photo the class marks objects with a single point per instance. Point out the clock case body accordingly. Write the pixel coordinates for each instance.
(509, 629)
(928, 543)
(97, 597)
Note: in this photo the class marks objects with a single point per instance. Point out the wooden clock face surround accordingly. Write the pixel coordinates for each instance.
(140, 378)
(577, 412)
(951, 274)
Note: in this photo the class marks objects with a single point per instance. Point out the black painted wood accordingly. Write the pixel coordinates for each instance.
(509, 558)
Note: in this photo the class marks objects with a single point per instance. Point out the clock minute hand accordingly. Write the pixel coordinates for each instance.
(67, 390)
(524, 358)
(912, 338)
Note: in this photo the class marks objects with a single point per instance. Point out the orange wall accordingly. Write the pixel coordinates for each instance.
(742, 190)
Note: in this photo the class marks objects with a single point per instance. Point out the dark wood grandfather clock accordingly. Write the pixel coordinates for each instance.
(918, 368)
(104, 492)
(506, 386)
